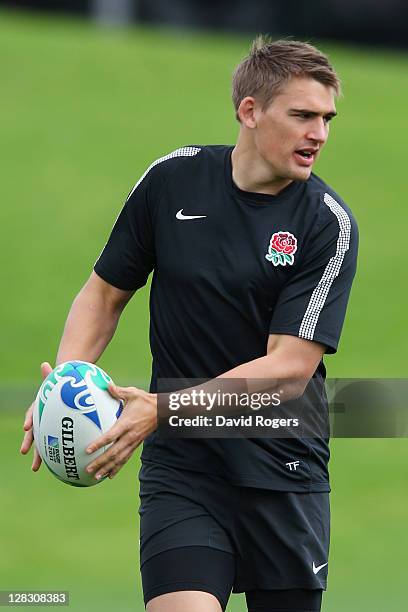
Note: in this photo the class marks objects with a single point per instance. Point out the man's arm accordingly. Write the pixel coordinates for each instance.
(290, 362)
(92, 320)
(91, 324)
(287, 367)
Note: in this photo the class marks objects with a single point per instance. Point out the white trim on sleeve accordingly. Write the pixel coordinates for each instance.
(332, 270)
(182, 152)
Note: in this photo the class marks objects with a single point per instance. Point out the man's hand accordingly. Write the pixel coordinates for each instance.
(137, 421)
(28, 426)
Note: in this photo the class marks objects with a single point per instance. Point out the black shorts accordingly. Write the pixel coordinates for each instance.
(273, 540)
(200, 568)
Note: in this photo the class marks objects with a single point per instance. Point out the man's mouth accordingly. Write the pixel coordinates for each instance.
(306, 157)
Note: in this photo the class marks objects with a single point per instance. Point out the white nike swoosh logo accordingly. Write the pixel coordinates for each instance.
(182, 217)
(318, 568)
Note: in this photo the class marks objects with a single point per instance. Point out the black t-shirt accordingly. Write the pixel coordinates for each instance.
(229, 268)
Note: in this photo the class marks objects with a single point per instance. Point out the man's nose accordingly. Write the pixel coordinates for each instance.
(319, 131)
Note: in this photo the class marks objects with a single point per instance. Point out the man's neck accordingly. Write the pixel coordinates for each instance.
(251, 173)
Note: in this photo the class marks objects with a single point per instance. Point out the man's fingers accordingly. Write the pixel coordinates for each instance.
(45, 369)
(110, 436)
(114, 390)
(115, 463)
(27, 442)
(125, 393)
(28, 421)
(25, 447)
(102, 464)
(112, 456)
(123, 459)
(28, 438)
(36, 461)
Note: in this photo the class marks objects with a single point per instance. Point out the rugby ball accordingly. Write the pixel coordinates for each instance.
(72, 409)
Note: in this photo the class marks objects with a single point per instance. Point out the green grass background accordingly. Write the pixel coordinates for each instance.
(83, 112)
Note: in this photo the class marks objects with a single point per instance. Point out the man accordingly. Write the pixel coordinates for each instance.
(253, 259)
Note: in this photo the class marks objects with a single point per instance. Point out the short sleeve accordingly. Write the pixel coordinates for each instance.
(313, 303)
(128, 256)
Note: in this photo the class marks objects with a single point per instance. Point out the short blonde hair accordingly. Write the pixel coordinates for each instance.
(270, 65)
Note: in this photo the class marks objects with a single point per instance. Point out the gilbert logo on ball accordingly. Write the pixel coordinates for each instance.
(72, 409)
(282, 248)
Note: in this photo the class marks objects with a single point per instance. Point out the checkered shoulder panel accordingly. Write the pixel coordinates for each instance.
(332, 270)
(182, 152)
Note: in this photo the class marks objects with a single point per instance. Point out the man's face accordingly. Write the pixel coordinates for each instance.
(291, 132)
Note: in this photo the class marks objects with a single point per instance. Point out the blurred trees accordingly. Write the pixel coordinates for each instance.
(361, 21)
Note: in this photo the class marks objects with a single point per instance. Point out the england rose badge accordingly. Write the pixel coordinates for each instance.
(282, 249)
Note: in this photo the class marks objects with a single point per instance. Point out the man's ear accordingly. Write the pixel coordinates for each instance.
(246, 112)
